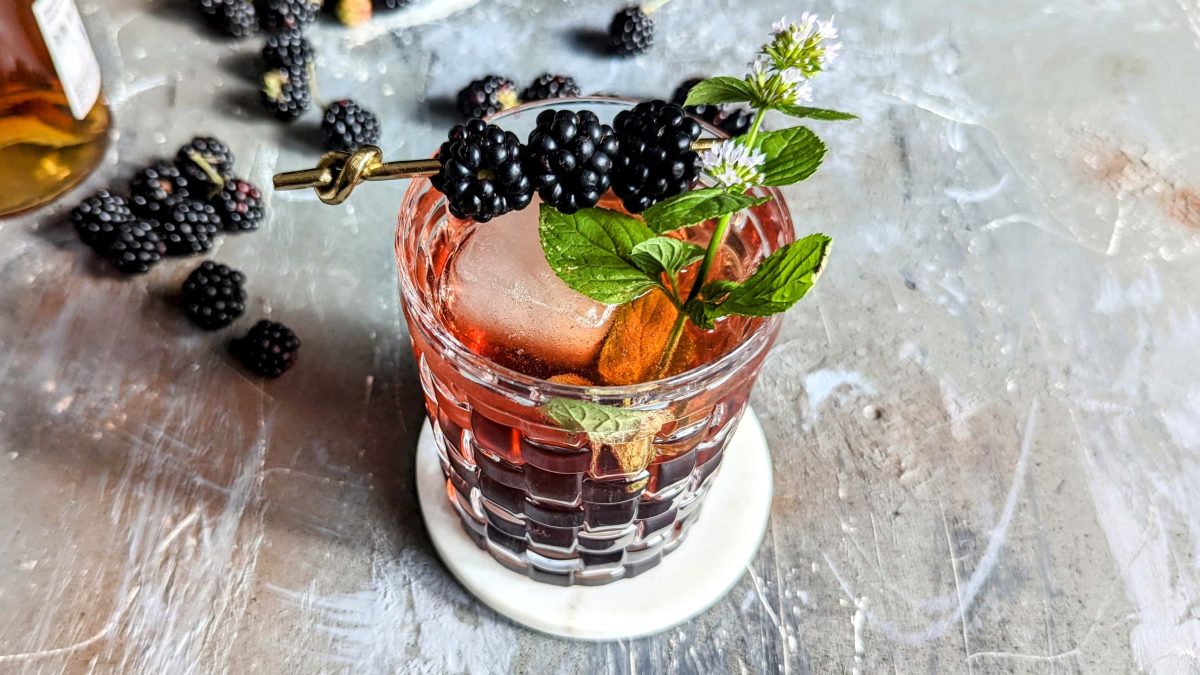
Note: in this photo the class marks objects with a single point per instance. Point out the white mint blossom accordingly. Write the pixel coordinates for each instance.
(797, 87)
(733, 165)
(808, 43)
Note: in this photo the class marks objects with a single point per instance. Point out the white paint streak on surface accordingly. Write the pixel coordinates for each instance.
(824, 383)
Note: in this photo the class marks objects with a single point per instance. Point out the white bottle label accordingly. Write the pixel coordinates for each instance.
(71, 52)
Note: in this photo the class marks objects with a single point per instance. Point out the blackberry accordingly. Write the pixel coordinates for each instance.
(481, 172)
(188, 227)
(549, 86)
(269, 349)
(353, 12)
(656, 159)
(155, 188)
(235, 18)
(134, 248)
(631, 32)
(285, 93)
(97, 218)
(239, 205)
(287, 49)
(347, 125)
(213, 295)
(279, 14)
(569, 157)
(204, 161)
(392, 4)
(733, 119)
(487, 96)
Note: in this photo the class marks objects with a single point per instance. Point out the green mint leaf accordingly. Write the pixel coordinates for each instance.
(815, 113)
(601, 423)
(590, 250)
(715, 289)
(719, 90)
(697, 206)
(782, 279)
(700, 312)
(792, 155)
(664, 254)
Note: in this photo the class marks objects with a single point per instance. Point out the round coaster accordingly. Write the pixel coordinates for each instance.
(710, 560)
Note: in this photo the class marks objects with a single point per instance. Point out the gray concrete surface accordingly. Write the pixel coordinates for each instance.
(985, 421)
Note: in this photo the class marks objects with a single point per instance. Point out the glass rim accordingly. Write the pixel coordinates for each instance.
(494, 373)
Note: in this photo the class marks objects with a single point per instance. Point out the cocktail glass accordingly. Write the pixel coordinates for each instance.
(545, 499)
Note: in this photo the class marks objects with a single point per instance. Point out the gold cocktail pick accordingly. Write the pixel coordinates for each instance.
(338, 173)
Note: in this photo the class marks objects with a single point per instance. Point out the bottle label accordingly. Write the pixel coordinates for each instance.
(71, 53)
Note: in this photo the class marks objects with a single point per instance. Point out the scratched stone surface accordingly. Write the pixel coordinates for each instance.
(985, 422)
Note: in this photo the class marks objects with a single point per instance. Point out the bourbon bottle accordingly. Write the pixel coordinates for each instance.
(53, 117)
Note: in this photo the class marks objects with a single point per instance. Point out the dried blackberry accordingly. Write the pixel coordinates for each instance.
(235, 18)
(656, 159)
(238, 205)
(188, 228)
(134, 248)
(213, 295)
(481, 173)
(548, 86)
(631, 32)
(487, 96)
(569, 157)
(287, 49)
(733, 119)
(269, 349)
(280, 14)
(286, 94)
(96, 218)
(155, 188)
(347, 125)
(204, 161)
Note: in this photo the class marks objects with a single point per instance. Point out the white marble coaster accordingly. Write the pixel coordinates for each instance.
(711, 559)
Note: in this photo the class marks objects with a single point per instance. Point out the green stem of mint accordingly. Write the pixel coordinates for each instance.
(710, 255)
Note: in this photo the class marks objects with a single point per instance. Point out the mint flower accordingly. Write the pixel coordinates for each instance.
(733, 165)
(807, 45)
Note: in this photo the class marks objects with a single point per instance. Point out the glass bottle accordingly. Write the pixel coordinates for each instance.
(53, 117)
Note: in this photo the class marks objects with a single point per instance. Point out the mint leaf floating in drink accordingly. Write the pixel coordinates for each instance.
(621, 434)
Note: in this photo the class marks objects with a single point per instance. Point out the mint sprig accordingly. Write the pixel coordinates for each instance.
(615, 258)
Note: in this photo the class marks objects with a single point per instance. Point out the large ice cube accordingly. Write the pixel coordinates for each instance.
(499, 283)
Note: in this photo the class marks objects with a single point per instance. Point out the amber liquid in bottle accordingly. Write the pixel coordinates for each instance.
(53, 118)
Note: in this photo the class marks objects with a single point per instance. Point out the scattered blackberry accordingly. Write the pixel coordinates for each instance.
(347, 125)
(238, 205)
(213, 295)
(286, 94)
(481, 172)
(487, 96)
(353, 12)
(188, 227)
(279, 14)
(287, 49)
(733, 119)
(569, 157)
(549, 86)
(269, 349)
(392, 4)
(155, 188)
(631, 32)
(656, 159)
(235, 18)
(204, 159)
(97, 218)
(134, 248)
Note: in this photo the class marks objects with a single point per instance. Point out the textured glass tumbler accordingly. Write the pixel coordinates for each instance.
(543, 500)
